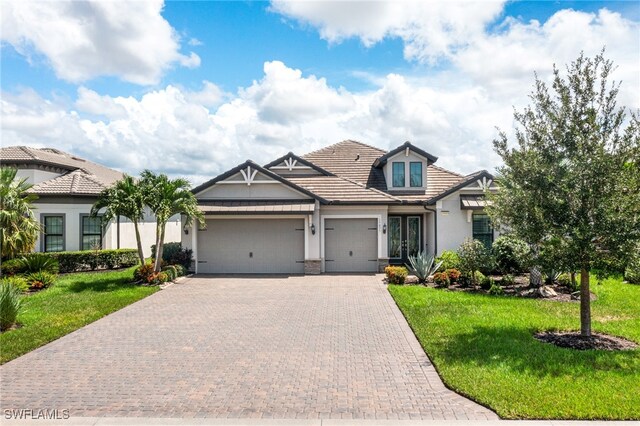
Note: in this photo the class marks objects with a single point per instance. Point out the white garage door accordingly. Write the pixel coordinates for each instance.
(251, 246)
(351, 245)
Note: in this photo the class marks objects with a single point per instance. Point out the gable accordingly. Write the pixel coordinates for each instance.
(250, 181)
(292, 165)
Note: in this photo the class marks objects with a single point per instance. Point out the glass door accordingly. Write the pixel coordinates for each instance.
(395, 237)
(404, 237)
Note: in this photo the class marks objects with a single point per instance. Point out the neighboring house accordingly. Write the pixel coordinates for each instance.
(67, 187)
(349, 207)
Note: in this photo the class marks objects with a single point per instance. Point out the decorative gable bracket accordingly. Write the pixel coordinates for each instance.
(484, 183)
(290, 163)
(249, 175)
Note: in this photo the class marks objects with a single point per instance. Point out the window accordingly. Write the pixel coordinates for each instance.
(91, 232)
(398, 174)
(415, 174)
(482, 229)
(53, 233)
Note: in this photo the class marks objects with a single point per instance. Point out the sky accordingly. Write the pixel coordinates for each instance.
(192, 89)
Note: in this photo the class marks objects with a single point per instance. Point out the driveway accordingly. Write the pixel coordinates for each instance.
(296, 347)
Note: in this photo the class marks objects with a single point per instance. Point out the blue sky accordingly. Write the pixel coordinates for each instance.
(341, 67)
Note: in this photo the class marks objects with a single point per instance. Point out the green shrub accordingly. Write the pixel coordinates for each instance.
(17, 281)
(11, 267)
(495, 290)
(441, 279)
(180, 270)
(511, 254)
(38, 262)
(86, 260)
(144, 274)
(453, 275)
(161, 277)
(632, 271)
(174, 254)
(40, 280)
(171, 272)
(396, 274)
(474, 256)
(486, 283)
(449, 259)
(10, 305)
(508, 280)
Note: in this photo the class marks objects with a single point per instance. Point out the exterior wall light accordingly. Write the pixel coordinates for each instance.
(313, 229)
(384, 228)
(186, 231)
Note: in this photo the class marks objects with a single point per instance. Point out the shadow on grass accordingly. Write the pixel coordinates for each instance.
(97, 283)
(500, 346)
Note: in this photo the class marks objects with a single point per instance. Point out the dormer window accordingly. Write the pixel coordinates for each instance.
(415, 174)
(398, 174)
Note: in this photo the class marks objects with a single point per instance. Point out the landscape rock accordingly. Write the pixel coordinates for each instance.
(546, 291)
(411, 279)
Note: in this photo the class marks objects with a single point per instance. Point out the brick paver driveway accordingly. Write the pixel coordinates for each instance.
(297, 347)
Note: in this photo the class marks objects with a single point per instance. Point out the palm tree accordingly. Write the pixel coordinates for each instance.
(168, 197)
(19, 228)
(124, 198)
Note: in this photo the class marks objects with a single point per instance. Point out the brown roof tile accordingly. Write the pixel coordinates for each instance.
(342, 190)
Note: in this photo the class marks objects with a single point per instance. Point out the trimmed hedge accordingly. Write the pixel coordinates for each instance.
(78, 261)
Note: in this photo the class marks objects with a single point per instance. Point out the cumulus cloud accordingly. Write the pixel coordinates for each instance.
(85, 39)
(430, 30)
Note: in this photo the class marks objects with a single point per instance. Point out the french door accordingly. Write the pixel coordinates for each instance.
(404, 237)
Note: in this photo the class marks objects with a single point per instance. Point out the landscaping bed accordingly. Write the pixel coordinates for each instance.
(485, 347)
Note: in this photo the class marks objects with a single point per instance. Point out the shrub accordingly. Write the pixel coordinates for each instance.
(423, 266)
(10, 305)
(77, 261)
(453, 275)
(474, 257)
(162, 277)
(38, 262)
(396, 274)
(495, 290)
(486, 283)
(441, 279)
(18, 282)
(11, 267)
(40, 280)
(511, 254)
(632, 271)
(180, 270)
(174, 254)
(449, 259)
(171, 272)
(143, 272)
(508, 280)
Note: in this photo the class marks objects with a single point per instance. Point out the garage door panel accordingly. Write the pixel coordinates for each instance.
(351, 245)
(251, 246)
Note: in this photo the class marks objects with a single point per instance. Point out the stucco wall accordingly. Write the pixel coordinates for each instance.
(35, 176)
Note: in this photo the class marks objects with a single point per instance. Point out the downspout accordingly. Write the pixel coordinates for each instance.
(118, 232)
(435, 230)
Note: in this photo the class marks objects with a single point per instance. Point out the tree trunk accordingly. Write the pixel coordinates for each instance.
(139, 242)
(585, 303)
(159, 247)
(573, 280)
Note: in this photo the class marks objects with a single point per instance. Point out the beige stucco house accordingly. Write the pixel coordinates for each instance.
(67, 186)
(349, 207)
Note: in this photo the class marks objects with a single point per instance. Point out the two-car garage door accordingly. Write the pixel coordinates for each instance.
(251, 246)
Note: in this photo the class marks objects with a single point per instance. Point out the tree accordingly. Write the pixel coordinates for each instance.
(19, 228)
(124, 198)
(474, 256)
(574, 174)
(166, 198)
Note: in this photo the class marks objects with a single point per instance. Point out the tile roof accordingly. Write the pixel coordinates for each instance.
(337, 189)
(257, 207)
(83, 177)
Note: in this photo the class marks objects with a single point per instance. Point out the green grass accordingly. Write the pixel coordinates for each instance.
(74, 301)
(483, 347)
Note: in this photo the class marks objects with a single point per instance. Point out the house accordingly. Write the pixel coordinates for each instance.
(349, 207)
(67, 186)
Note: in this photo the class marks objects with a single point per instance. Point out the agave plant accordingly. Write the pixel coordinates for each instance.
(422, 265)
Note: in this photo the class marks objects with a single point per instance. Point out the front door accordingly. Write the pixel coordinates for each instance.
(405, 237)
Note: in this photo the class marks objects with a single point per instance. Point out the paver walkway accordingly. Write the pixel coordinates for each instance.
(299, 347)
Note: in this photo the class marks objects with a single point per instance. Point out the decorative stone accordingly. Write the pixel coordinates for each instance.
(312, 266)
(546, 291)
(411, 279)
(383, 262)
(575, 295)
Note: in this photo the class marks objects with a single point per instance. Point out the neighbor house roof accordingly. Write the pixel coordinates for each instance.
(77, 175)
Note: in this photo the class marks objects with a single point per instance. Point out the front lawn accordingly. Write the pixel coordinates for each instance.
(483, 347)
(74, 301)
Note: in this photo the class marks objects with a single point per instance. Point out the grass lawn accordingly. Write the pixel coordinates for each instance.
(74, 301)
(483, 348)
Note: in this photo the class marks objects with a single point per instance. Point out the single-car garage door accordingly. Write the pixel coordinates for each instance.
(251, 246)
(351, 245)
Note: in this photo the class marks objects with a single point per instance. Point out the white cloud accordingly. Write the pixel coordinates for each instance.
(194, 42)
(430, 30)
(85, 39)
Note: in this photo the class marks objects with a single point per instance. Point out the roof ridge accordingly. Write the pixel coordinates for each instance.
(341, 142)
(27, 151)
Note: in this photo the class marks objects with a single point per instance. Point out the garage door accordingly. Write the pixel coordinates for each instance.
(251, 246)
(351, 245)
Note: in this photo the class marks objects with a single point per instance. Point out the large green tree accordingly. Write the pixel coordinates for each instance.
(168, 197)
(573, 173)
(124, 198)
(19, 227)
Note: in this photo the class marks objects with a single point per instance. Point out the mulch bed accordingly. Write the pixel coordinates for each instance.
(573, 340)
